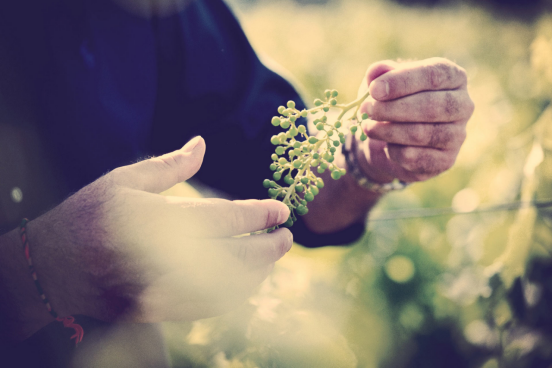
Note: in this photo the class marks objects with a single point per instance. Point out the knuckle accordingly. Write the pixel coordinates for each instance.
(429, 110)
(417, 135)
(452, 106)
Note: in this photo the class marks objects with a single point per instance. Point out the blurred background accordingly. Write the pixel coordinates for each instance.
(469, 285)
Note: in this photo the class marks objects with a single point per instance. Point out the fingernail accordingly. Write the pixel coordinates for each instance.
(368, 108)
(189, 147)
(380, 89)
(290, 241)
(282, 216)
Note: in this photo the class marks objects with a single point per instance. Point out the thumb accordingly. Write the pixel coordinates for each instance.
(161, 173)
(379, 90)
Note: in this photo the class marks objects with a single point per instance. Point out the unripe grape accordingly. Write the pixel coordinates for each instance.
(326, 108)
(331, 159)
(304, 180)
(281, 109)
(328, 93)
(282, 161)
(285, 124)
(275, 121)
(281, 136)
(337, 124)
(323, 166)
(297, 164)
(324, 118)
(288, 223)
(309, 197)
(280, 150)
(327, 156)
(334, 93)
(333, 102)
(320, 183)
(274, 157)
(343, 171)
(320, 126)
(363, 137)
(304, 113)
(364, 116)
(315, 155)
(297, 151)
(296, 144)
(341, 135)
(336, 143)
(288, 179)
(292, 119)
(273, 167)
(313, 140)
(314, 190)
(275, 140)
(336, 175)
(353, 129)
(291, 104)
(318, 102)
(342, 140)
(299, 188)
(293, 131)
(302, 210)
(302, 129)
(277, 175)
(333, 149)
(272, 192)
(320, 170)
(267, 183)
(330, 133)
(315, 163)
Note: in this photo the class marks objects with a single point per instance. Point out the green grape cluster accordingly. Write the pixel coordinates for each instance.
(298, 154)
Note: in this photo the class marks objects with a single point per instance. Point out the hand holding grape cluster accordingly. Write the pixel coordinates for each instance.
(297, 154)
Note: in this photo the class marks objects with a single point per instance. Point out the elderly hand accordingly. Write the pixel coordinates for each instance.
(419, 111)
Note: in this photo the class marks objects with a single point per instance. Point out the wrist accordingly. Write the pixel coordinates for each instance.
(362, 172)
(22, 312)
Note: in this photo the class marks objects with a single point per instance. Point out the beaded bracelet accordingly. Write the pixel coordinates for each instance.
(348, 150)
(67, 321)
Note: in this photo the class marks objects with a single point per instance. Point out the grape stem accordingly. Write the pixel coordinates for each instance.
(356, 103)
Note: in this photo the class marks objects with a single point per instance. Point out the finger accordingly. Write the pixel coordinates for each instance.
(425, 75)
(260, 250)
(432, 135)
(423, 107)
(215, 218)
(421, 162)
(161, 173)
(380, 68)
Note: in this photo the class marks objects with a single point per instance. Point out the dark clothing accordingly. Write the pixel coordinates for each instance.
(86, 86)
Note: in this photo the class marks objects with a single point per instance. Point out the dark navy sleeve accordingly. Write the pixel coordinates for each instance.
(111, 87)
(214, 85)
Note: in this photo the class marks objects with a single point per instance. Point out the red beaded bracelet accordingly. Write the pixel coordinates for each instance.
(67, 321)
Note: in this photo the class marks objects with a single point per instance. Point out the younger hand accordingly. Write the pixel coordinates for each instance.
(118, 250)
(420, 110)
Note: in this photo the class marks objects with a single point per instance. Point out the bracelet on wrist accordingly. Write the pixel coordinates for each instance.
(349, 151)
(68, 321)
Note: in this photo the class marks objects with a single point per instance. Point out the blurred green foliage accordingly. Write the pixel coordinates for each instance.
(462, 290)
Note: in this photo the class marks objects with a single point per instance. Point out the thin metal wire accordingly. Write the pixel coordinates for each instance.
(432, 212)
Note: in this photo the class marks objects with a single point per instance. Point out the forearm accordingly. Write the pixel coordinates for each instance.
(340, 204)
(22, 311)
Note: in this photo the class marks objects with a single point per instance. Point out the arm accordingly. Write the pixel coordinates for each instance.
(117, 250)
(419, 112)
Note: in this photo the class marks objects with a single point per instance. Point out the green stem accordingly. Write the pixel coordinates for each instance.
(349, 106)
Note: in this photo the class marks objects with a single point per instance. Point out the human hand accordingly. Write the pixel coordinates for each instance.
(419, 111)
(117, 250)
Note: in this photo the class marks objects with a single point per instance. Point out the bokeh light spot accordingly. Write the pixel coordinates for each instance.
(400, 269)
